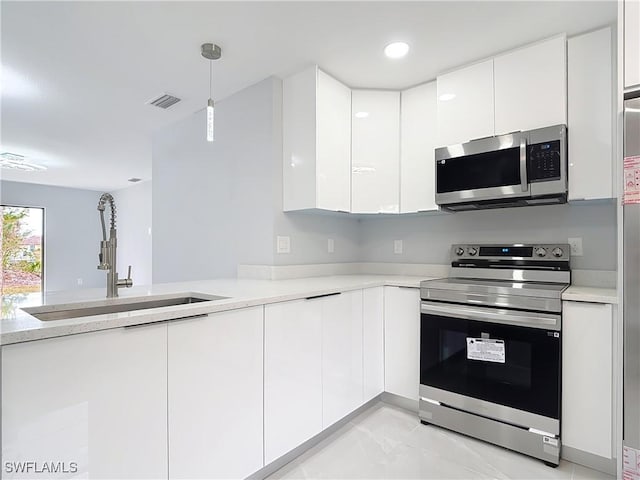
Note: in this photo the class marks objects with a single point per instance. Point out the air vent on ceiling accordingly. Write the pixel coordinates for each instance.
(164, 101)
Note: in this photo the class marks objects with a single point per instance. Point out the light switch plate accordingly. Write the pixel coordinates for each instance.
(283, 244)
(576, 246)
(330, 245)
(397, 246)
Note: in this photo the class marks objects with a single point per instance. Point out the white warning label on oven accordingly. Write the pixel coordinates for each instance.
(485, 349)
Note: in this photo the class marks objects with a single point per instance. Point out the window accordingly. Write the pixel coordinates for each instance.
(22, 250)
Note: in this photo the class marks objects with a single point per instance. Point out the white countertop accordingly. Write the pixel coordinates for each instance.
(579, 293)
(18, 326)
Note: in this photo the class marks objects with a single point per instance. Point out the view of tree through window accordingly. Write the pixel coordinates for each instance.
(22, 247)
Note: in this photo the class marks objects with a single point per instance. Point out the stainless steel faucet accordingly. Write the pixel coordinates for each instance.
(107, 253)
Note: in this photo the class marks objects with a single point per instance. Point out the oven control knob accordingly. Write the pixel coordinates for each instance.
(459, 251)
(557, 252)
(472, 251)
(541, 252)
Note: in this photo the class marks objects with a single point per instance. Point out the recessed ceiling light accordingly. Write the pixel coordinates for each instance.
(362, 114)
(446, 97)
(396, 50)
(14, 161)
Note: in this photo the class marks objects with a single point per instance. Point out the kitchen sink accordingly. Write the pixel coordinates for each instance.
(88, 309)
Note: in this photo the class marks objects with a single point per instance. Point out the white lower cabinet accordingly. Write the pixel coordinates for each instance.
(215, 395)
(587, 369)
(373, 342)
(402, 341)
(292, 375)
(341, 355)
(96, 402)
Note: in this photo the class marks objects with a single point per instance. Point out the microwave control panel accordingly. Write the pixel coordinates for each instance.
(543, 161)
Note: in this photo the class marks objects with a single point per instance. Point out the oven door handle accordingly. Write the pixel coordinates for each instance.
(494, 315)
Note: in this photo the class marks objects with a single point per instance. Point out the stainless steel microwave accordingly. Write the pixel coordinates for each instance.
(516, 169)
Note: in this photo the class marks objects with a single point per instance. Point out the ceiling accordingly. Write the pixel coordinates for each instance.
(76, 75)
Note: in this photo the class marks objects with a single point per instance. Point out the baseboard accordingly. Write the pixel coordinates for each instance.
(277, 464)
(596, 462)
(402, 402)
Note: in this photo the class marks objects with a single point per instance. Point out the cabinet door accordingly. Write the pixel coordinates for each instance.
(631, 43)
(215, 395)
(402, 341)
(531, 87)
(97, 399)
(465, 104)
(375, 152)
(418, 129)
(333, 144)
(587, 418)
(373, 342)
(341, 355)
(590, 127)
(292, 375)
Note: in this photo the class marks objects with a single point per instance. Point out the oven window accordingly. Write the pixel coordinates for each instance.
(483, 170)
(523, 374)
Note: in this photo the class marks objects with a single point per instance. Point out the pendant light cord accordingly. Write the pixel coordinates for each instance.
(210, 76)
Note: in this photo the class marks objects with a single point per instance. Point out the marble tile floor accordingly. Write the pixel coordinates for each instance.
(389, 442)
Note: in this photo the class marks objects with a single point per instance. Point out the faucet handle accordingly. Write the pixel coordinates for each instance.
(126, 282)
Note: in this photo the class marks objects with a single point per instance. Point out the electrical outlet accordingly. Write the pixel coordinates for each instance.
(283, 244)
(576, 246)
(330, 245)
(397, 246)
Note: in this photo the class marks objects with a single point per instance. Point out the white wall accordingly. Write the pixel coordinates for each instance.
(211, 201)
(133, 205)
(217, 205)
(426, 239)
(72, 232)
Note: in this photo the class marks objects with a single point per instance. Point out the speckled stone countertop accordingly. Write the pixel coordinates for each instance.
(18, 326)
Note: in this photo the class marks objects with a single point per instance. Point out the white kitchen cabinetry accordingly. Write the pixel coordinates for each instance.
(96, 399)
(292, 375)
(375, 152)
(587, 401)
(402, 341)
(341, 355)
(465, 104)
(631, 43)
(373, 342)
(531, 86)
(316, 142)
(418, 131)
(215, 395)
(590, 127)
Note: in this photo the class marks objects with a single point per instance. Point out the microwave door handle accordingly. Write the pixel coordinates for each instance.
(524, 183)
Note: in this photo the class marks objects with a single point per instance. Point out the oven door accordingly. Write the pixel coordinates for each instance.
(486, 169)
(498, 363)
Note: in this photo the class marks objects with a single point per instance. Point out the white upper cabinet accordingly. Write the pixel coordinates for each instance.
(465, 104)
(316, 115)
(590, 120)
(531, 86)
(375, 152)
(631, 43)
(418, 131)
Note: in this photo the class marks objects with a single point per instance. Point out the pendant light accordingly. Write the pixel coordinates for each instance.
(211, 52)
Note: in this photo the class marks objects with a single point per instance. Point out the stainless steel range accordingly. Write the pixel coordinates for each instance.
(490, 346)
